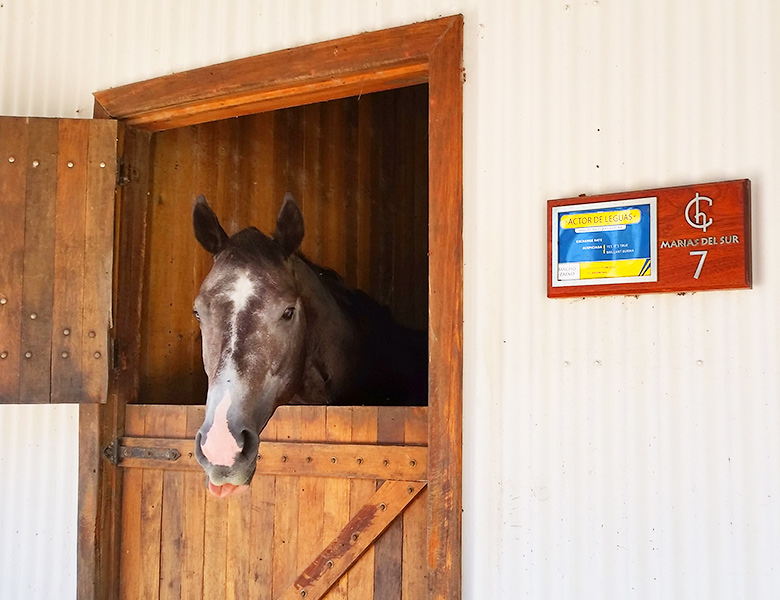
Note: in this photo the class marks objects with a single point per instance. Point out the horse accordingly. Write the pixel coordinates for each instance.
(278, 329)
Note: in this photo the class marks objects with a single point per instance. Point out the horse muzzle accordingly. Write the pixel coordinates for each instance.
(229, 464)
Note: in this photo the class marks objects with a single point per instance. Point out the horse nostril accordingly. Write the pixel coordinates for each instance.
(201, 458)
(250, 442)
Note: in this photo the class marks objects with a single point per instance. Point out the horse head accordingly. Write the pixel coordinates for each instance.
(253, 328)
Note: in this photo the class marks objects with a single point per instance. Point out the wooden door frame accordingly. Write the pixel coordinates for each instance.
(428, 52)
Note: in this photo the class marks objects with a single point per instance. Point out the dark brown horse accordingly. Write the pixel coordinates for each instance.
(278, 329)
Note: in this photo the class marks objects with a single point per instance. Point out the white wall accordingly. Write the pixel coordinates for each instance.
(616, 447)
(38, 501)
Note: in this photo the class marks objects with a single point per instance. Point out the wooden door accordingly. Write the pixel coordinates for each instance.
(424, 53)
(57, 179)
(337, 508)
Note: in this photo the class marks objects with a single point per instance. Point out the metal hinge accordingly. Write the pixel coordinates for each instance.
(116, 452)
(122, 172)
(114, 354)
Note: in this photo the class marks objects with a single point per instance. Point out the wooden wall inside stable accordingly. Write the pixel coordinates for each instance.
(357, 166)
(178, 541)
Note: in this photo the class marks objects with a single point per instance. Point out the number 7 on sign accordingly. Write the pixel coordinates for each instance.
(703, 254)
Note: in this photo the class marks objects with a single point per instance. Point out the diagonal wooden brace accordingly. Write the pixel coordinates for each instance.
(366, 526)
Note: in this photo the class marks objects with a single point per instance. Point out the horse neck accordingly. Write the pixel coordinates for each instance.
(330, 338)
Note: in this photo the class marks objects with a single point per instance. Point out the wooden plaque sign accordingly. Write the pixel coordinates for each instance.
(681, 239)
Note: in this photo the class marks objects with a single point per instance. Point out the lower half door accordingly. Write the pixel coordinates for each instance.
(337, 508)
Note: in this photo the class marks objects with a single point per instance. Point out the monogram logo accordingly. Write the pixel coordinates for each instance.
(699, 218)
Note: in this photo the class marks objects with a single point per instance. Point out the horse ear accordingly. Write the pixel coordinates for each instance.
(289, 225)
(208, 231)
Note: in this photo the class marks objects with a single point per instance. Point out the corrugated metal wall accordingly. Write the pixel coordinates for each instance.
(615, 447)
(38, 508)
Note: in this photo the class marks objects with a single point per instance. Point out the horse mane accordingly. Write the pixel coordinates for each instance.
(394, 357)
(253, 245)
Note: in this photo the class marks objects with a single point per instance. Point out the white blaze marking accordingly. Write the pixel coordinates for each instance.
(221, 447)
(243, 289)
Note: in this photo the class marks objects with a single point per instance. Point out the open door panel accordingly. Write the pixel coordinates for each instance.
(57, 179)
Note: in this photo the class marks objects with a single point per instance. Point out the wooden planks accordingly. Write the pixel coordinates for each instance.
(304, 459)
(13, 154)
(39, 231)
(445, 333)
(261, 543)
(56, 180)
(100, 483)
(369, 522)
(414, 583)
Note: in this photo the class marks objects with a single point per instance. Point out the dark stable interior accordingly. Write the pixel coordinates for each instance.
(358, 167)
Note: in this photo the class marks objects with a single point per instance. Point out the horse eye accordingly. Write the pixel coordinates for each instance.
(288, 313)
(195, 313)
